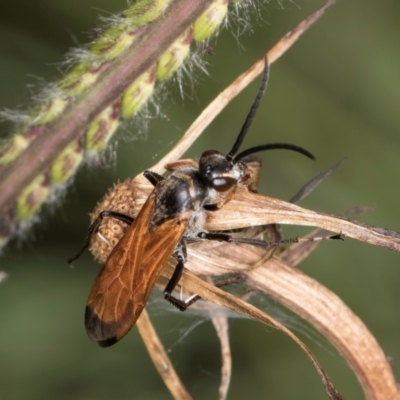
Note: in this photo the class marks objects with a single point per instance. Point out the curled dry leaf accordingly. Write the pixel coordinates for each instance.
(311, 185)
(251, 209)
(218, 296)
(307, 298)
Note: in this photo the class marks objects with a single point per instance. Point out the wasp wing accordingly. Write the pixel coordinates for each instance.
(123, 285)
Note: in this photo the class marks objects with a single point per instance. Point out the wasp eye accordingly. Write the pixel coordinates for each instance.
(223, 184)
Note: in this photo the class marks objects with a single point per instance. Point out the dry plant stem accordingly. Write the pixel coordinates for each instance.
(73, 122)
(3, 276)
(223, 99)
(221, 325)
(164, 365)
(160, 358)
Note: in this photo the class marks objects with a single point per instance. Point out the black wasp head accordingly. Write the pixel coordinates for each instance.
(219, 172)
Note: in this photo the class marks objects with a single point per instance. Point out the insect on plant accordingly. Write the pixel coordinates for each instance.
(173, 215)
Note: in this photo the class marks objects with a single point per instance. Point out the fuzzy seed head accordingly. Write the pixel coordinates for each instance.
(121, 198)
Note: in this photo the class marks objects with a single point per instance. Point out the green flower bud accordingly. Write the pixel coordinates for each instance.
(210, 20)
(101, 129)
(173, 58)
(13, 148)
(142, 12)
(138, 93)
(32, 197)
(81, 77)
(49, 111)
(67, 162)
(114, 41)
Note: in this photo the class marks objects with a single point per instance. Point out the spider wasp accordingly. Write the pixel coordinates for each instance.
(173, 214)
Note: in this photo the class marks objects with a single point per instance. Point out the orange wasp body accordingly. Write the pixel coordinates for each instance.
(173, 214)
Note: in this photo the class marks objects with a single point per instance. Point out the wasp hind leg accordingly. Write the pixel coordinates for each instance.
(182, 305)
(224, 237)
(95, 225)
(180, 256)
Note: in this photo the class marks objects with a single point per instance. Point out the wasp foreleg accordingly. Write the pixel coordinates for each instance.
(153, 177)
(95, 225)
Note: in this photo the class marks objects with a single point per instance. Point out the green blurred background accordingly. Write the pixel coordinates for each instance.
(336, 92)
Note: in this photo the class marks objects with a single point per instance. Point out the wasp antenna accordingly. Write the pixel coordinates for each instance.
(252, 112)
(273, 146)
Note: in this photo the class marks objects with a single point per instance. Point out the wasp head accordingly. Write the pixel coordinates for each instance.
(221, 173)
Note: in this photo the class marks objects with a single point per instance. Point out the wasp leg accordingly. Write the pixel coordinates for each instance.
(180, 256)
(95, 225)
(153, 177)
(224, 237)
(211, 207)
(182, 305)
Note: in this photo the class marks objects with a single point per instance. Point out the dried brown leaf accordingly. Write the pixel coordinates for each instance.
(307, 298)
(313, 183)
(215, 295)
(251, 209)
